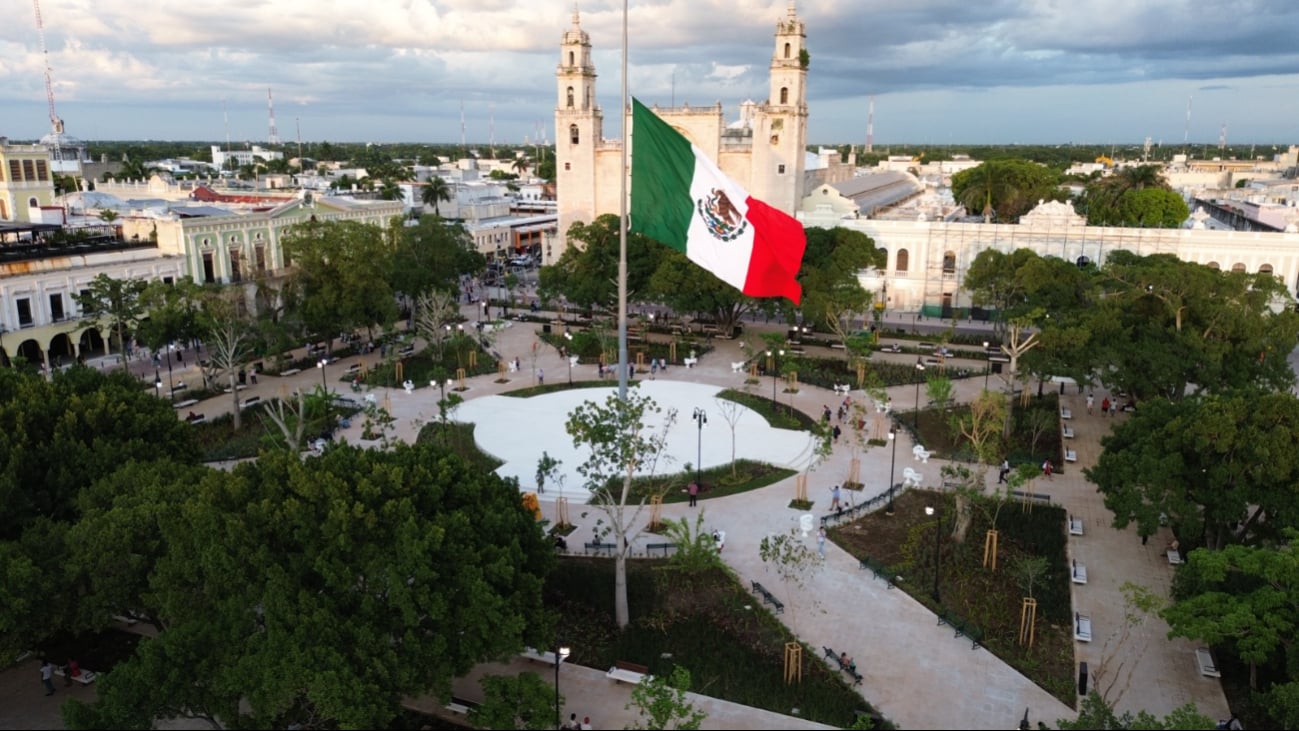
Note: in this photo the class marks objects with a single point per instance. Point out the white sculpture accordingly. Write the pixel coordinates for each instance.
(736, 367)
(911, 478)
(409, 385)
(805, 523)
(921, 453)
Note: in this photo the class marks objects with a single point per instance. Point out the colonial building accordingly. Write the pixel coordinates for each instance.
(764, 151)
(26, 185)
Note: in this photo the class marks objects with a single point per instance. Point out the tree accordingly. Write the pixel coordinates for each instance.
(939, 391)
(662, 702)
(984, 425)
(436, 190)
(522, 701)
(1153, 208)
(1006, 189)
(171, 315)
(229, 333)
(1096, 713)
(434, 312)
(793, 560)
(1133, 196)
(108, 215)
(339, 280)
(432, 254)
(689, 288)
(621, 444)
(587, 273)
(696, 549)
(731, 412)
(321, 591)
(116, 301)
(832, 293)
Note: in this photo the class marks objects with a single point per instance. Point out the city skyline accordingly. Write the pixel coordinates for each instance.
(941, 72)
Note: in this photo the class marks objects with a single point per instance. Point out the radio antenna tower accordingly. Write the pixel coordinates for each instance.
(870, 126)
(491, 125)
(297, 122)
(462, 128)
(273, 137)
(1186, 135)
(56, 124)
(1222, 138)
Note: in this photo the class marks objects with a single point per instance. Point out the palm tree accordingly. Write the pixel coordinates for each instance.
(389, 191)
(435, 190)
(521, 165)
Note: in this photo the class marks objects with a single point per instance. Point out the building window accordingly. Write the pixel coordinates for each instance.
(949, 262)
(570, 97)
(236, 273)
(573, 135)
(24, 306)
(780, 169)
(168, 280)
(1265, 269)
(29, 171)
(42, 172)
(568, 166)
(259, 253)
(572, 61)
(209, 271)
(56, 307)
(83, 295)
(15, 171)
(903, 261)
(33, 203)
(786, 50)
(1238, 267)
(784, 95)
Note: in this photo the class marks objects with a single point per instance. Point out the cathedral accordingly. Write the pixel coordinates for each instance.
(764, 151)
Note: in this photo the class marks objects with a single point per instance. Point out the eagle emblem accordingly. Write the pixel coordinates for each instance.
(720, 216)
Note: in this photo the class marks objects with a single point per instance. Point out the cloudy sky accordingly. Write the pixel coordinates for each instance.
(941, 71)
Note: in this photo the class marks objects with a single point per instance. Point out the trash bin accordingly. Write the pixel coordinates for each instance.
(546, 328)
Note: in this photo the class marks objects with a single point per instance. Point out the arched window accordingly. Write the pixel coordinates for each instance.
(784, 95)
(786, 50)
(33, 203)
(572, 60)
(573, 136)
(903, 261)
(1238, 267)
(1265, 269)
(949, 262)
(570, 97)
(1215, 266)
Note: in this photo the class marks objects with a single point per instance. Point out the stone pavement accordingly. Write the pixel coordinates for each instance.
(916, 673)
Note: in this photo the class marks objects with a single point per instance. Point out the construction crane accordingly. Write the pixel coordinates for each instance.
(56, 124)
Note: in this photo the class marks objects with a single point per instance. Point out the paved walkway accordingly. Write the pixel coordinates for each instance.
(916, 673)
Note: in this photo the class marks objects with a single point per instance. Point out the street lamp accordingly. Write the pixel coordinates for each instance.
(157, 383)
(938, 536)
(701, 418)
(987, 369)
(321, 365)
(569, 357)
(560, 654)
(893, 437)
(771, 366)
(920, 366)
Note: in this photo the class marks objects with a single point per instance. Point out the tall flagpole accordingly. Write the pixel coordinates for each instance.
(622, 221)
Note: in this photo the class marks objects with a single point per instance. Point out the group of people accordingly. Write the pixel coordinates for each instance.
(1048, 468)
(575, 725)
(1108, 408)
(71, 669)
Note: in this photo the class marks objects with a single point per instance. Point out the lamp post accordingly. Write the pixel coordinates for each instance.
(569, 337)
(893, 437)
(987, 369)
(701, 418)
(157, 383)
(938, 536)
(321, 365)
(771, 366)
(561, 653)
(920, 366)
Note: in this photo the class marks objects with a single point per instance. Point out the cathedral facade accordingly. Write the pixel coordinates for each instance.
(764, 151)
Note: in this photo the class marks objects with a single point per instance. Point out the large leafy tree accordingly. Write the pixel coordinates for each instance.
(587, 273)
(1005, 189)
(171, 315)
(115, 302)
(229, 335)
(687, 287)
(322, 591)
(993, 281)
(833, 297)
(339, 279)
(431, 255)
(1221, 468)
(1133, 196)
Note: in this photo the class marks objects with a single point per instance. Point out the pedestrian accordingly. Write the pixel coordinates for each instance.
(834, 498)
(654, 367)
(825, 413)
(837, 431)
(47, 676)
(694, 493)
(1047, 468)
(252, 375)
(1090, 400)
(586, 723)
(820, 541)
(1105, 406)
(1005, 470)
(572, 722)
(541, 377)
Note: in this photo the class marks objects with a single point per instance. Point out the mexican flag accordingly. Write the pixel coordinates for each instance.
(681, 199)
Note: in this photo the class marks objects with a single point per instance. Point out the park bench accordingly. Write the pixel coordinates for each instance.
(1082, 627)
(836, 346)
(1066, 414)
(962, 630)
(1040, 497)
(85, 677)
(598, 547)
(1067, 432)
(928, 346)
(842, 389)
(831, 657)
(920, 453)
(354, 368)
(1075, 526)
(290, 372)
(547, 657)
(461, 706)
(664, 547)
(186, 403)
(690, 362)
(769, 597)
(198, 419)
(1079, 573)
(250, 401)
(1174, 556)
(1204, 659)
(1070, 455)
(406, 350)
(628, 672)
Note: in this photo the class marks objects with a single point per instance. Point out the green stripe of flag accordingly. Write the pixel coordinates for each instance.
(663, 164)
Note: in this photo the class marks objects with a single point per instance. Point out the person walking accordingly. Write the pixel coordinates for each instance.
(837, 431)
(1105, 406)
(1047, 469)
(834, 498)
(1005, 470)
(1091, 399)
(47, 676)
(694, 493)
(820, 542)
(541, 377)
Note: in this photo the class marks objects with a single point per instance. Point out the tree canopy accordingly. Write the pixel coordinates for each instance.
(1133, 196)
(339, 279)
(1005, 189)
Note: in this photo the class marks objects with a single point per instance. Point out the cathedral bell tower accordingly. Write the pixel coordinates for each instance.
(578, 128)
(780, 137)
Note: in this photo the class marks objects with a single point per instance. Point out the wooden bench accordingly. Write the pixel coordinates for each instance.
(407, 350)
(354, 368)
(1082, 627)
(628, 672)
(1204, 659)
(547, 657)
(1035, 496)
(290, 372)
(186, 403)
(1066, 414)
(1075, 526)
(461, 706)
(1070, 455)
(1067, 432)
(597, 547)
(1079, 573)
(1174, 556)
(250, 401)
(768, 597)
(831, 657)
(664, 547)
(85, 677)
